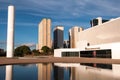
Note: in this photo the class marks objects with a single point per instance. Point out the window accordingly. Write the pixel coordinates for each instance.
(105, 53)
(70, 54)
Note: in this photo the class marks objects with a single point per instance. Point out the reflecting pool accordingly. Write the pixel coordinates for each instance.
(58, 71)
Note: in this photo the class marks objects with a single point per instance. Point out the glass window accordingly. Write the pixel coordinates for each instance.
(70, 54)
(105, 53)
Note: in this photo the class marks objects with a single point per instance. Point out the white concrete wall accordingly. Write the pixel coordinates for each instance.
(105, 33)
(57, 53)
(82, 45)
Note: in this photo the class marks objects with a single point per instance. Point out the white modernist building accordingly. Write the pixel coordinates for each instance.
(100, 41)
(104, 36)
(107, 32)
(111, 49)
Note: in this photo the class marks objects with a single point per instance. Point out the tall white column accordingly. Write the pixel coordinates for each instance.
(10, 31)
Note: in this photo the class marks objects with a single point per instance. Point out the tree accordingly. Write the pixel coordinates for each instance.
(45, 49)
(2, 52)
(22, 50)
(35, 52)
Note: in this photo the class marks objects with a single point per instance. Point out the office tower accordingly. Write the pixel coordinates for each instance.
(10, 31)
(66, 44)
(44, 34)
(58, 37)
(97, 21)
(70, 38)
(73, 36)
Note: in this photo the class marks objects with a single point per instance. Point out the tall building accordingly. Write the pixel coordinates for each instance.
(44, 33)
(73, 36)
(66, 44)
(97, 21)
(58, 37)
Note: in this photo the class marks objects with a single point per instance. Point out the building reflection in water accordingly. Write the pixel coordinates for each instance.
(58, 73)
(61, 73)
(9, 72)
(50, 71)
(72, 76)
(44, 71)
(91, 73)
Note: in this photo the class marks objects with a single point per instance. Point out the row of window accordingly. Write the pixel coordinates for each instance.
(92, 54)
(95, 53)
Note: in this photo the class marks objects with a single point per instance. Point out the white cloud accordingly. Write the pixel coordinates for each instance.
(70, 24)
(66, 9)
(26, 24)
(103, 8)
(26, 44)
(73, 8)
(29, 44)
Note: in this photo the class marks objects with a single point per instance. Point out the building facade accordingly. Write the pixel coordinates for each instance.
(73, 36)
(44, 33)
(96, 41)
(58, 37)
(107, 32)
(101, 41)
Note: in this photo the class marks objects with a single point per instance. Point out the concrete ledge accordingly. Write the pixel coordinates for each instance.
(11, 61)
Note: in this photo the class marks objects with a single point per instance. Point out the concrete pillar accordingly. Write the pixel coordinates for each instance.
(10, 31)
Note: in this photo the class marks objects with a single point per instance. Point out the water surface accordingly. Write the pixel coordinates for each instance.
(58, 71)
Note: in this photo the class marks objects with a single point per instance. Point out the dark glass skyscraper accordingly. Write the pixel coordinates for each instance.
(58, 37)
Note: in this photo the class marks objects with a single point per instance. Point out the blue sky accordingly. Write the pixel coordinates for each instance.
(68, 13)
